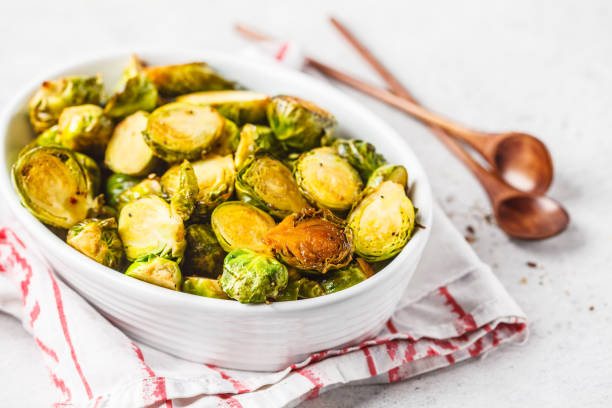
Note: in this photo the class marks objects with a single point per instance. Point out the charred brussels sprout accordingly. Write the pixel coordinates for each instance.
(127, 151)
(54, 186)
(84, 128)
(327, 180)
(361, 155)
(134, 92)
(98, 239)
(239, 106)
(250, 277)
(53, 96)
(183, 200)
(117, 184)
(268, 184)
(173, 80)
(299, 287)
(240, 225)
(297, 123)
(382, 222)
(179, 131)
(346, 277)
(229, 139)
(158, 271)
(312, 240)
(215, 178)
(388, 172)
(254, 139)
(203, 256)
(148, 186)
(206, 287)
(148, 226)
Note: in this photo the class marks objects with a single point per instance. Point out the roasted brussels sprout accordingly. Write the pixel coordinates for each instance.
(313, 240)
(148, 186)
(206, 287)
(241, 225)
(228, 141)
(183, 200)
(173, 80)
(300, 287)
(350, 275)
(53, 96)
(117, 184)
(179, 131)
(148, 226)
(382, 222)
(215, 177)
(361, 155)
(251, 277)
(134, 92)
(268, 184)
(98, 239)
(158, 271)
(84, 128)
(54, 186)
(388, 172)
(239, 106)
(327, 180)
(297, 123)
(254, 139)
(92, 171)
(203, 256)
(127, 151)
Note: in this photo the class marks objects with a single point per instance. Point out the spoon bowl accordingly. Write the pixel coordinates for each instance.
(522, 161)
(528, 216)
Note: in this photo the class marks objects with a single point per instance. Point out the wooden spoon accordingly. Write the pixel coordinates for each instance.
(524, 215)
(521, 160)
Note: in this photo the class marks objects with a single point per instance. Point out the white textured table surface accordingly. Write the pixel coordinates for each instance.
(542, 67)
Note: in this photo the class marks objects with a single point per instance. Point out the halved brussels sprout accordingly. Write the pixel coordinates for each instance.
(98, 239)
(300, 287)
(117, 184)
(179, 131)
(313, 240)
(361, 155)
(84, 128)
(158, 271)
(327, 180)
(299, 124)
(134, 92)
(148, 186)
(229, 139)
(268, 184)
(49, 137)
(382, 222)
(148, 226)
(388, 172)
(254, 139)
(173, 80)
(215, 176)
(203, 256)
(241, 225)
(251, 277)
(53, 96)
(206, 287)
(183, 200)
(54, 186)
(92, 171)
(239, 106)
(346, 277)
(127, 151)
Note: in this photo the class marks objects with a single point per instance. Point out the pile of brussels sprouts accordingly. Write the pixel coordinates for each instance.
(257, 200)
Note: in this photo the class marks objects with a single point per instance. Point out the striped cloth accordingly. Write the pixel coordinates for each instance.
(454, 309)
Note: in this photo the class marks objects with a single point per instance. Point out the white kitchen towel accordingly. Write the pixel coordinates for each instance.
(454, 309)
